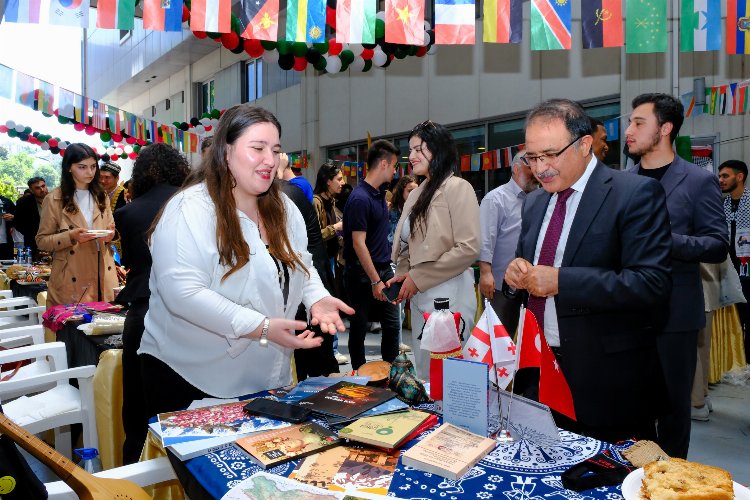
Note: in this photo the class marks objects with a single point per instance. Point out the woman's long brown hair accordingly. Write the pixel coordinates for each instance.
(75, 153)
(214, 171)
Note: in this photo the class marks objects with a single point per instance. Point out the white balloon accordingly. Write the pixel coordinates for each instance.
(214, 122)
(358, 64)
(63, 144)
(380, 15)
(44, 146)
(356, 48)
(333, 64)
(426, 38)
(111, 151)
(118, 151)
(20, 128)
(379, 58)
(199, 129)
(10, 124)
(128, 149)
(427, 25)
(271, 56)
(433, 50)
(205, 121)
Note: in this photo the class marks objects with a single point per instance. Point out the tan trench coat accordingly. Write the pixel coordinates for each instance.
(75, 266)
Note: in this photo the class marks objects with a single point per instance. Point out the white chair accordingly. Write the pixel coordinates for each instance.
(52, 357)
(6, 294)
(20, 311)
(39, 408)
(22, 335)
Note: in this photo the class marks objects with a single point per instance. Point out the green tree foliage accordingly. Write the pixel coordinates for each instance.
(17, 169)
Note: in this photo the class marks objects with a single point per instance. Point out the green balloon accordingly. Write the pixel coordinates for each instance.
(62, 119)
(284, 48)
(401, 52)
(215, 113)
(368, 65)
(12, 132)
(47, 115)
(212, 35)
(347, 56)
(27, 130)
(236, 27)
(320, 64)
(136, 147)
(321, 47)
(379, 28)
(299, 49)
(268, 44)
(413, 50)
(124, 156)
(105, 136)
(344, 66)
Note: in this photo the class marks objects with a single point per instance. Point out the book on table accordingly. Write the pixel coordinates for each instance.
(384, 431)
(448, 452)
(394, 405)
(346, 399)
(272, 448)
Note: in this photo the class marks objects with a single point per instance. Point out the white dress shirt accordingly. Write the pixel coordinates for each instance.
(551, 329)
(195, 320)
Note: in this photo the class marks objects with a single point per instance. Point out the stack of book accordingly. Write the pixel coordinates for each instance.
(389, 431)
(272, 448)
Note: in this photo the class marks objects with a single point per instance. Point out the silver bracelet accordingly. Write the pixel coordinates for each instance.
(263, 341)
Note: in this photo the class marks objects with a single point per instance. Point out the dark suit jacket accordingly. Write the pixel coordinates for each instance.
(133, 221)
(614, 284)
(27, 220)
(9, 208)
(699, 234)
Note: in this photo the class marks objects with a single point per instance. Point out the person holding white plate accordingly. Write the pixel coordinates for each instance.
(76, 226)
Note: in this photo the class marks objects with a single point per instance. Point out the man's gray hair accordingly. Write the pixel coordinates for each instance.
(517, 159)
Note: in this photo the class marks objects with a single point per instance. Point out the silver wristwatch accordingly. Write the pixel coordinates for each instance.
(263, 341)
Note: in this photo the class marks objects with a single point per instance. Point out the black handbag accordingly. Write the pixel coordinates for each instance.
(17, 480)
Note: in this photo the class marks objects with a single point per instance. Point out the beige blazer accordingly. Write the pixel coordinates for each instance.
(451, 243)
(75, 266)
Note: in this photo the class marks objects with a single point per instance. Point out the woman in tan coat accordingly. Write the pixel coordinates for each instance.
(83, 269)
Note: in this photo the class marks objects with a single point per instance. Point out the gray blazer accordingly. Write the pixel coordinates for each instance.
(699, 234)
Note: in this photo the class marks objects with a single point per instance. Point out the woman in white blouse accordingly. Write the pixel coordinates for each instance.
(83, 269)
(230, 267)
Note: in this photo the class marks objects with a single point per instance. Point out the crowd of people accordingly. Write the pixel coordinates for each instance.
(238, 265)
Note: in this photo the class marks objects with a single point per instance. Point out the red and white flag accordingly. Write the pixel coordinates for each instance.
(490, 344)
(529, 341)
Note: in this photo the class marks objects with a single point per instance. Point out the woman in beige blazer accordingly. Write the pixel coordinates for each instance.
(437, 237)
(83, 269)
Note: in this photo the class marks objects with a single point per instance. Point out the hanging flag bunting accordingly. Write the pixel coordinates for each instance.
(503, 20)
(160, 17)
(742, 99)
(488, 161)
(355, 21)
(646, 26)
(6, 81)
(261, 19)
(23, 11)
(454, 22)
(700, 25)
(115, 119)
(550, 24)
(46, 99)
(738, 26)
(404, 22)
(476, 162)
(73, 13)
(25, 85)
(465, 163)
(65, 106)
(81, 109)
(306, 21)
(732, 109)
(98, 115)
(711, 98)
(722, 100)
(613, 129)
(602, 23)
(211, 15)
(688, 103)
(115, 14)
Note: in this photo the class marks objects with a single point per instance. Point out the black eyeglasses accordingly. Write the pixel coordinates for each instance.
(532, 160)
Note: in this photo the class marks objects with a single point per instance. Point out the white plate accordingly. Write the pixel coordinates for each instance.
(631, 487)
(100, 233)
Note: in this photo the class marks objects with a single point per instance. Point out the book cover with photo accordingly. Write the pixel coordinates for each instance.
(346, 399)
(272, 448)
(385, 431)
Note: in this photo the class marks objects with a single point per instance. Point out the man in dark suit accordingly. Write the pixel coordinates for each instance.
(28, 211)
(7, 214)
(593, 256)
(699, 234)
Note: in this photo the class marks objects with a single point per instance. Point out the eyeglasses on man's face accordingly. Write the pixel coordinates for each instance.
(533, 160)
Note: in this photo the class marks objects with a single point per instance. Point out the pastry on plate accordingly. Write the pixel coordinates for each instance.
(677, 479)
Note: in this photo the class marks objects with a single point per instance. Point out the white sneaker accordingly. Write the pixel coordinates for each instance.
(404, 347)
(375, 326)
(700, 414)
(340, 358)
(707, 401)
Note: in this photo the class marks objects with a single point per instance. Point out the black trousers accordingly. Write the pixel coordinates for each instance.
(743, 309)
(134, 413)
(678, 352)
(164, 388)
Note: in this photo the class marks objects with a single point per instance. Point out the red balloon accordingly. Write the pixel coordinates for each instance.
(62, 152)
(141, 142)
(199, 34)
(208, 128)
(230, 40)
(334, 48)
(79, 126)
(3, 129)
(117, 137)
(56, 112)
(95, 150)
(133, 155)
(331, 17)
(421, 51)
(185, 13)
(52, 143)
(300, 63)
(130, 140)
(90, 130)
(367, 54)
(253, 48)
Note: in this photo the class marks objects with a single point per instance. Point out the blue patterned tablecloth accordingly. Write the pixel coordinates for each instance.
(515, 471)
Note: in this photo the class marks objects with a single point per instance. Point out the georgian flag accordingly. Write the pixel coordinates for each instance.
(490, 344)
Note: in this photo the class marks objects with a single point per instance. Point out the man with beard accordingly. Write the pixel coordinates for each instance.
(732, 176)
(28, 212)
(699, 234)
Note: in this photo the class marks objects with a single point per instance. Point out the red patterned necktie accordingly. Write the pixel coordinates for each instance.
(549, 247)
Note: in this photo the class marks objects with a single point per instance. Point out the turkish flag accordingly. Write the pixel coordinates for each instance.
(554, 390)
(530, 343)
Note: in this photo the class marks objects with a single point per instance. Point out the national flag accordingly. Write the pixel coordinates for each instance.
(404, 22)
(24, 11)
(722, 100)
(488, 161)
(490, 343)
(688, 103)
(81, 109)
(151, 125)
(550, 24)
(306, 20)
(503, 158)
(742, 99)
(260, 19)
(115, 119)
(73, 13)
(700, 25)
(646, 26)
(613, 129)
(355, 21)
(602, 23)
(529, 341)
(6, 81)
(733, 90)
(554, 390)
(465, 163)
(25, 85)
(714, 93)
(503, 20)
(140, 128)
(115, 14)
(65, 106)
(211, 15)
(454, 22)
(476, 162)
(160, 17)
(98, 115)
(46, 98)
(738, 27)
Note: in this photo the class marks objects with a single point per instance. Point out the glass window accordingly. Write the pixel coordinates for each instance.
(250, 83)
(503, 135)
(258, 78)
(605, 112)
(207, 94)
(469, 141)
(344, 153)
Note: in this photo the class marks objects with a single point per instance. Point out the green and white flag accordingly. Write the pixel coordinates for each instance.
(646, 26)
(700, 25)
(355, 21)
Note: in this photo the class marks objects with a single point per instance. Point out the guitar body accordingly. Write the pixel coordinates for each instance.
(86, 486)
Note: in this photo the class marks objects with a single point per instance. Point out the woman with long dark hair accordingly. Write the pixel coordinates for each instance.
(437, 237)
(230, 266)
(74, 219)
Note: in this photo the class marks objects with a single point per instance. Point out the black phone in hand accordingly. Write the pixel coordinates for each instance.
(277, 411)
(391, 293)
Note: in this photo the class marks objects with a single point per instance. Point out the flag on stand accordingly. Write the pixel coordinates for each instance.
(404, 22)
(98, 115)
(306, 20)
(646, 26)
(261, 19)
(529, 341)
(160, 17)
(211, 15)
(602, 23)
(115, 14)
(738, 28)
(503, 20)
(23, 11)
(490, 343)
(700, 25)
(73, 13)
(355, 21)
(550, 24)
(454, 22)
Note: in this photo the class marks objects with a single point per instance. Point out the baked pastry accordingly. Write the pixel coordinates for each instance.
(677, 479)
